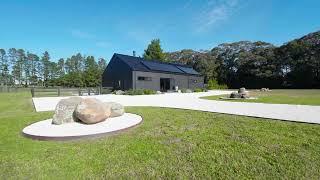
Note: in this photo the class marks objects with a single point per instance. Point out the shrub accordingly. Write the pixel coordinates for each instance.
(139, 92)
(186, 91)
(149, 91)
(198, 90)
(213, 84)
(106, 91)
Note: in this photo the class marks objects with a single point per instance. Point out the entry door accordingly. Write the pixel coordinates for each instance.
(164, 84)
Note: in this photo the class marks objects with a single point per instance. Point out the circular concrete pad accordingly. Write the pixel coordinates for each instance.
(45, 130)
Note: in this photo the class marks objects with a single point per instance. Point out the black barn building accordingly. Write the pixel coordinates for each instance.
(129, 72)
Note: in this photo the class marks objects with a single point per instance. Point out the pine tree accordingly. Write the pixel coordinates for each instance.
(18, 67)
(12, 53)
(45, 61)
(33, 61)
(2, 66)
(154, 51)
(61, 67)
(91, 73)
(102, 64)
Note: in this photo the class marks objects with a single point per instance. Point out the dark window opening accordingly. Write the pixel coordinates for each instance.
(141, 78)
(164, 84)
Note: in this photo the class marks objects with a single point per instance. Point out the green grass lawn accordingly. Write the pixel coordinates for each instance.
(303, 97)
(170, 143)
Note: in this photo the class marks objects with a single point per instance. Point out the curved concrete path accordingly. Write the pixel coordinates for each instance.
(299, 113)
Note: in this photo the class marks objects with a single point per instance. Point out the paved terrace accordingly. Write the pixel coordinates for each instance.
(298, 113)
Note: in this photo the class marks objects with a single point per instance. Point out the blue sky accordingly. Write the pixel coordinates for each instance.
(101, 28)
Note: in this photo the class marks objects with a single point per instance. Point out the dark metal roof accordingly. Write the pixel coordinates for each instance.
(140, 64)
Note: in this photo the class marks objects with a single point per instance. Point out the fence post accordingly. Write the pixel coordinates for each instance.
(58, 91)
(32, 92)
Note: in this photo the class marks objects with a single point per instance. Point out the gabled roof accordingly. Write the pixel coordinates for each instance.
(140, 64)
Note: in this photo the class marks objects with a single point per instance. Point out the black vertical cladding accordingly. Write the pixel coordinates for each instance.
(117, 75)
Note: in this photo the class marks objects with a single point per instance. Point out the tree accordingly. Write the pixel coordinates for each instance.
(207, 66)
(12, 53)
(61, 67)
(33, 61)
(3, 67)
(17, 71)
(154, 51)
(45, 62)
(91, 73)
(102, 64)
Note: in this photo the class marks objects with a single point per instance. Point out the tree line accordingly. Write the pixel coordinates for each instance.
(295, 64)
(21, 68)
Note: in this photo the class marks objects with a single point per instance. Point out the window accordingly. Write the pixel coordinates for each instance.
(141, 78)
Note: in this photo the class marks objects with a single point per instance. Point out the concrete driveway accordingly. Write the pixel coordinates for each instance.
(299, 113)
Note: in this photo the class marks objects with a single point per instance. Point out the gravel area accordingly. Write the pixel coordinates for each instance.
(299, 113)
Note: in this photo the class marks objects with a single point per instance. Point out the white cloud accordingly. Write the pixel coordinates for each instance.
(214, 13)
(81, 34)
(76, 33)
(103, 44)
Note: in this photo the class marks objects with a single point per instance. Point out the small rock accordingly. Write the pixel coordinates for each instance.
(188, 91)
(235, 95)
(242, 90)
(64, 110)
(265, 89)
(91, 111)
(116, 108)
(119, 92)
(245, 95)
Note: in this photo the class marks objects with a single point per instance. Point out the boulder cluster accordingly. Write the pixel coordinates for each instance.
(85, 110)
(242, 93)
(265, 89)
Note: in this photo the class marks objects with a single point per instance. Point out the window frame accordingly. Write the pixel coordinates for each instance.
(144, 78)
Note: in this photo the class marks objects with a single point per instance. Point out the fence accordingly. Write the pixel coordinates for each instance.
(59, 91)
(56, 91)
(12, 89)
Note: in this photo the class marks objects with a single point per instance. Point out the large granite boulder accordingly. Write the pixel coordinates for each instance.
(116, 108)
(91, 111)
(64, 110)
